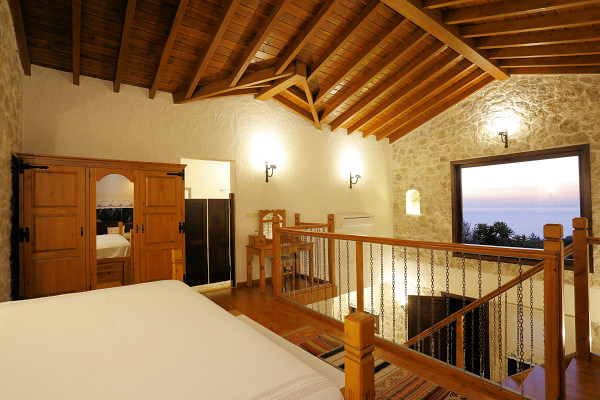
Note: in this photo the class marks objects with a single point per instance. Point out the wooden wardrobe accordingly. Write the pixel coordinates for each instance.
(57, 222)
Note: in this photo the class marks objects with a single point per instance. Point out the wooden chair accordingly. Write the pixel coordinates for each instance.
(265, 221)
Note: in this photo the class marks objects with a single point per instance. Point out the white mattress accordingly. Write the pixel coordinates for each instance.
(112, 245)
(158, 340)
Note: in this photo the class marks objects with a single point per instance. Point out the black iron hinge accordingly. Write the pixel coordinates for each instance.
(181, 174)
(182, 227)
(24, 235)
(23, 166)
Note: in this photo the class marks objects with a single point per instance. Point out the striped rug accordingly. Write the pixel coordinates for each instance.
(391, 382)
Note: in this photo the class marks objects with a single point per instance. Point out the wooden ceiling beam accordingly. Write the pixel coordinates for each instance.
(168, 46)
(433, 4)
(228, 13)
(290, 105)
(76, 19)
(298, 93)
(390, 84)
(543, 22)
(555, 70)
(17, 17)
(388, 31)
(431, 21)
(567, 61)
(239, 92)
(259, 38)
(438, 109)
(574, 35)
(446, 90)
(421, 60)
(371, 8)
(573, 49)
(282, 84)
(370, 76)
(311, 104)
(500, 10)
(305, 33)
(125, 34)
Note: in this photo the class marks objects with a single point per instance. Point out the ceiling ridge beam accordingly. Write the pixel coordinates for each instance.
(372, 7)
(567, 61)
(423, 58)
(168, 46)
(438, 109)
(588, 16)
(437, 93)
(290, 105)
(388, 31)
(76, 22)
(431, 21)
(311, 104)
(557, 50)
(228, 12)
(258, 40)
(125, 34)
(390, 84)
(17, 17)
(306, 32)
(283, 83)
(340, 98)
(501, 10)
(573, 35)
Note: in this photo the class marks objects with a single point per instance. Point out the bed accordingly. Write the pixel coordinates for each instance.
(113, 260)
(112, 245)
(157, 340)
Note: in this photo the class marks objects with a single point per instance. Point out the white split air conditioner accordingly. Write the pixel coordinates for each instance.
(353, 220)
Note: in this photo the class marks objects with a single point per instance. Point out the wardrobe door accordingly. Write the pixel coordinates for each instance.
(53, 230)
(160, 227)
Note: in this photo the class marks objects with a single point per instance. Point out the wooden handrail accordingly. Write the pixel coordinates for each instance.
(593, 240)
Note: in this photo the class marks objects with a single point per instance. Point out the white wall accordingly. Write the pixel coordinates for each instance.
(91, 120)
(207, 179)
(114, 190)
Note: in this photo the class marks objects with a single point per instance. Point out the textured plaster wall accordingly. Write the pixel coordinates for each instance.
(554, 111)
(11, 133)
(91, 120)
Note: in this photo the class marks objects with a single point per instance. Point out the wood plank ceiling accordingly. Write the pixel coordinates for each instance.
(379, 68)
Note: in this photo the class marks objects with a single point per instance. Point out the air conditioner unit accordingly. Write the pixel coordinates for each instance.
(353, 220)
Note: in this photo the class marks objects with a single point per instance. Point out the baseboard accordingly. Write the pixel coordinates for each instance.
(254, 282)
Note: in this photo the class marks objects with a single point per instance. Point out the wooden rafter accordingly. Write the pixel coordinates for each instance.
(166, 51)
(500, 10)
(371, 8)
(388, 31)
(76, 12)
(369, 76)
(447, 82)
(220, 87)
(258, 40)
(290, 105)
(573, 35)
(239, 92)
(306, 33)
(281, 84)
(555, 70)
(431, 21)
(17, 16)
(311, 104)
(438, 109)
(391, 83)
(423, 58)
(127, 23)
(432, 4)
(228, 12)
(552, 21)
(567, 61)
(298, 93)
(573, 49)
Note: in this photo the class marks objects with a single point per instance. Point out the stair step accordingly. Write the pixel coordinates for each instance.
(583, 379)
(535, 383)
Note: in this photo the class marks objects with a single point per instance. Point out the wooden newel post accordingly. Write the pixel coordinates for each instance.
(297, 219)
(581, 257)
(359, 362)
(360, 294)
(554, 344)
(276, 272)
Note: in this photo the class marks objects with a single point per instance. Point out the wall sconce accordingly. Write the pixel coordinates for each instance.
(269, 169)
(355, 179)
(504, 138)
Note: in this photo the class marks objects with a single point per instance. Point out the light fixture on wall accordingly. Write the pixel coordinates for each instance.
(504, 138)
(269, 169)
(502, 125)
(353, 179)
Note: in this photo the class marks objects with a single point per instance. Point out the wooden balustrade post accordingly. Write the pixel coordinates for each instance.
(581, 258)
(460, 351)
(554, 344)
(297, 219)
(359, 362)
(360, 294)
(331, 248)
(276, 273)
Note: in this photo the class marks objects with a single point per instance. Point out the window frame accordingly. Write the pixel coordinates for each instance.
(585, 185)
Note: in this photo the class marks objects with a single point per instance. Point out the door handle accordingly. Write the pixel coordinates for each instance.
(142, 228)
(137, 229)
(82, 231)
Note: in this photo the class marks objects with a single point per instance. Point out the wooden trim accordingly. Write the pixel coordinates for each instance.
(168, 46)
(561, 61)
(554, 70)
(235, 313)
(231, 231)
(282, 84)
(76, 16)
(125, 34)
(21, 36)
(228, 13)
(431, 21)
(573, 49)
(276, 264)
(432, 4)
(574, 35)
(290, 105)
(581, 290)
(311, 104)
(360, 295)
(258, 40)
(98, 162)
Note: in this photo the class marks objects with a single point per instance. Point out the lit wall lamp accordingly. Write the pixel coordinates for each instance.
(269, 170)
(353, 179)
(504, 138)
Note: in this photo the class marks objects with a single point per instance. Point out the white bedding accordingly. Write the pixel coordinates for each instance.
(112, 245)
(158, 340)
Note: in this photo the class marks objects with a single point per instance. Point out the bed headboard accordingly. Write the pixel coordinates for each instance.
(110, 217)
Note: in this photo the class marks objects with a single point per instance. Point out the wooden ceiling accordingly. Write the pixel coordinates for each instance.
(379, 68)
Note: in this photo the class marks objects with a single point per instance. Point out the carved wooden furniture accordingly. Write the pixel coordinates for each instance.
(57, 223)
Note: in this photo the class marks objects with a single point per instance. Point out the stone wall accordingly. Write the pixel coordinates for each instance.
(554, 111)
(11, 133)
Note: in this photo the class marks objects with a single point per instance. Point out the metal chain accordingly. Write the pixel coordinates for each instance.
(531, 317)
(305, 264)
(499, 321)
(381, 318)
(316, 271)
(505, 327)
(520, 317)
(294, 262)
(371, 272)
(494, 328)
(464, 292)
(326, 276)
(481, 332)
(405, 296)
(419, 297)
(348, 271)
(431, 341)
(393, 296)
(339, 277)
(447, 307)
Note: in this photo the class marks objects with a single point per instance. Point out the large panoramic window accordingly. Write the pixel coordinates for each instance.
(507, 200)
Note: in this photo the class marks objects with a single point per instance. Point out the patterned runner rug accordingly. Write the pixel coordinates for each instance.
(391, 382)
